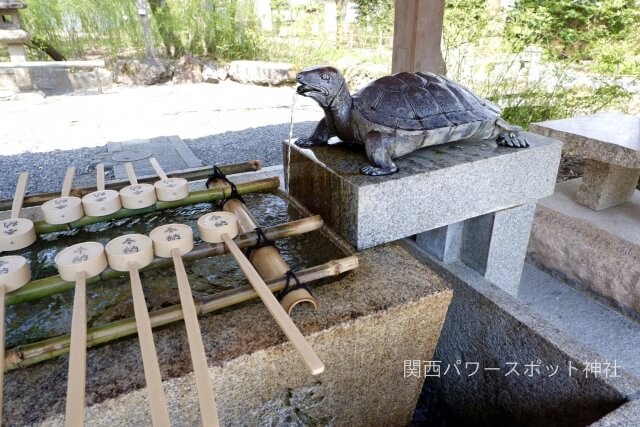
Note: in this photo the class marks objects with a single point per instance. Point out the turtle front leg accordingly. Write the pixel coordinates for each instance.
(379, 147)
(320, 136)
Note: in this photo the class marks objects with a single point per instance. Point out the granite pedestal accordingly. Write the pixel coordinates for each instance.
(610, 143)
(468, 200)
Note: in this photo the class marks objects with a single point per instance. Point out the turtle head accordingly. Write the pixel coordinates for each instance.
(322, 84)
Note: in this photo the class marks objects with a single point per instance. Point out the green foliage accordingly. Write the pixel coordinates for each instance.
(466, 21)
(222, 29)
(534, 105)
(480, 42)
(376, 16)
(81, 28)
(571, 28)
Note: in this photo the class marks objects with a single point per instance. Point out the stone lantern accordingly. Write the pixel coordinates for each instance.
(12, 34)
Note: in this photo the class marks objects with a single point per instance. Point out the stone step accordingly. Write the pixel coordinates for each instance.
(614, 336)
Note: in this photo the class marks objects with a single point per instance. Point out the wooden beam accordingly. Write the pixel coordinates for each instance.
(417, 36)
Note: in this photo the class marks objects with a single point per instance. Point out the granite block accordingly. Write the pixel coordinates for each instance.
(444, 243)
(606, 185)
(435, 186)
(608, 137)
(508, 246)
(597, 252)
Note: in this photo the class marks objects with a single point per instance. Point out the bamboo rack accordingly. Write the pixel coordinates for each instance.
(209, 195)
(55, 284)
(188, 174)
(37, 352)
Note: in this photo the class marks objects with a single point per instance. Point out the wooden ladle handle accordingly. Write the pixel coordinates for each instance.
(157, 400)
(74, 415)
(281, 317)
(68, 181)
(207, 401)
(18, 197)
(158, 168)
(100, 176)
(131, 174)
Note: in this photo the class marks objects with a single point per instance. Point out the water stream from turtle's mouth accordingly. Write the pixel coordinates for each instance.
(288, 176)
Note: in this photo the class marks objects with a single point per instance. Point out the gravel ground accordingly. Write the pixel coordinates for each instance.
(223, 123)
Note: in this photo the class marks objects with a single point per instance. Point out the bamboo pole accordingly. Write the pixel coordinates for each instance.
(188, 174)
(267, 260)
(266, 184)
(37, 352)
(55, 284)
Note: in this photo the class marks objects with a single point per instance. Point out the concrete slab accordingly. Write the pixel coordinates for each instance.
(170, 151)
(389, 310)
(435, 186)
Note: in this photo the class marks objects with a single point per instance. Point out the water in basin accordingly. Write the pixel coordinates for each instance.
(111, 300)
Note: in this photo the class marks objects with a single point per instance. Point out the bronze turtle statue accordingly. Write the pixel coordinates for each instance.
(396, 115)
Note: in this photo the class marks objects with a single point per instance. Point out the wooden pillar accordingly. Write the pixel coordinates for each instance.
(417, 36)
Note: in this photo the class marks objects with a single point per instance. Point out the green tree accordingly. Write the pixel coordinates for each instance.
(570, 28)
(376, 16)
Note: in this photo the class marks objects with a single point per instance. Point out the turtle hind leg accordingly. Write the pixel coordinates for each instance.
(509, 135)
(378, 148)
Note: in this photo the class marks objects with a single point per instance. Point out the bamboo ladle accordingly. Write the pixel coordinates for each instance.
(17, 233)
(64, 209)
(136, 196)
(219, 227)
(14, 273)
(76, 264)
(101, 202)
(169, 189)
(130, 253)
(173, 241)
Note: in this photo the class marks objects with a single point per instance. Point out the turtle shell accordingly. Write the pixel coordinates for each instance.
(421, 101)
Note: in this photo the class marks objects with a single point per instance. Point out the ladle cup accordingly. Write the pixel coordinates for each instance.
(169, 189)
(220, 227)
(101, 202)
(64, 209)
(130, 253)
(173, 241)
(14, 273)
(17, 233)
(136, 196)
(76, 264)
